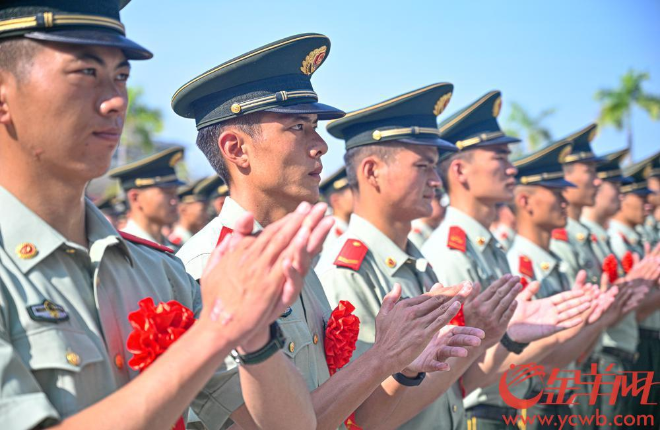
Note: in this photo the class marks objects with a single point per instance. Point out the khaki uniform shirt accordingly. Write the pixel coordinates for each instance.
(624, 335)
(623, 239)
(483, 261)
(419, 233)
(577, 253)
(133, 228)
(384, 265)
(303, 327)
(54, 364)
(649, 231)
(505, 236)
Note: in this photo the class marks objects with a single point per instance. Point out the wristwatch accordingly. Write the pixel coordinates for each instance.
(511, 345)
(275, 343)
(409, 382)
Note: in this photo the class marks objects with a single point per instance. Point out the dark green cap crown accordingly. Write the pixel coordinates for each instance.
(335, 182)
(212, 187)
(476, 125)
(155, 170)
(640, 172)
(580, 141)
(409, 118)
(543, 167)
(610, 169)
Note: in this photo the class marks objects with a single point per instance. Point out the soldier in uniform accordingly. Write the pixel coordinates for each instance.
(111, 207)
(68, 279)
(151, 185)
(540, 208)
(422, 228)
(477, 178)
(257, 116)
(216, 191)
(193, 213)
(339, 196)
(650, 229)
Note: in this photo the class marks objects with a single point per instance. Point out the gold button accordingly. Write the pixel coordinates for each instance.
(292, 346)
(316, 339)
(236, 108)
(481, 240)
(580, 237)
(119, 361)
(73, 358)
(70, 251)
(454, 408)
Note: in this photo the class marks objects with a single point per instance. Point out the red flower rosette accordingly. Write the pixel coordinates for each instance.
(155, 328)
(627, 262)
(459, 319)
(610, 266)
(341, 335)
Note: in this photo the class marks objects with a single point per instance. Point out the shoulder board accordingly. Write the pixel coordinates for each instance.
(134, 239)
(223, 233)
(457, 239)
(351, 254)
(525, 267)
(560, 234)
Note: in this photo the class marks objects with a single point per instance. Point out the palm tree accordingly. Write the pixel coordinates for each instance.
(617, 104)
(142, 123)
(521, 123)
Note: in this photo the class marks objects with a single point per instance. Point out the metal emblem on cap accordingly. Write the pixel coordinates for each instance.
(497, 106)
(26, 250)
(236, 108)
(564, 153)
(377, 135)
(313, 60)
(441, 104)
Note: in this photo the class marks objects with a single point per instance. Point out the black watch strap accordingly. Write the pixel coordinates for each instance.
(275, 343)
(511, 345)
(409, 382)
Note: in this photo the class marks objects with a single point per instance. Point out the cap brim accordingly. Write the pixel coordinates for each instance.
(502, 140)
(323, 111)
(132, 50)
(641, 192)
(441, 144)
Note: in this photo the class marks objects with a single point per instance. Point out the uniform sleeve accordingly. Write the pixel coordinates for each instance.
(220, 397)
(23, 405)
(357, 288)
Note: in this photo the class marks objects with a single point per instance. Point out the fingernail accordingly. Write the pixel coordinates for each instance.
(303, 208)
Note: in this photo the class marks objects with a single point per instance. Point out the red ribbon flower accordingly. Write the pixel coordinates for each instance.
(610, 266)
(341, 335)
(627, 261)
(459, 319)
(155, 328)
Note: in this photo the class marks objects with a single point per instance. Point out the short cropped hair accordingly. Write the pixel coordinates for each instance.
(354, 156)
(16, 56)
(443, 168)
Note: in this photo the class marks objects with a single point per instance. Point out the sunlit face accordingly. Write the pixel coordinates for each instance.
(583, 175)
(409, 181)
(285, 159)
(195, 214)
(158, 204)
(67, 115)
(489, 174)
(608, 198)
(653, 183)
(547, 207)
(632, 208)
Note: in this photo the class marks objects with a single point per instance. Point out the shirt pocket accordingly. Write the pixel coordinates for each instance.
(67, 365)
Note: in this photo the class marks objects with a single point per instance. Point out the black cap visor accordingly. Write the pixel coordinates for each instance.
(89, 37)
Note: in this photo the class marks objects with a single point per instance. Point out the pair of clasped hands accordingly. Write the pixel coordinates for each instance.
(250, 280)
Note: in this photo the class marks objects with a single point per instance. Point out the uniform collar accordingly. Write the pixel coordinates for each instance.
(595, 228)
(387, 254)
(20, 226)
(630, 233)
(424, 229)
(133, 228)
(578, 230)
(231, 212)
(479, 235)
(542, 258)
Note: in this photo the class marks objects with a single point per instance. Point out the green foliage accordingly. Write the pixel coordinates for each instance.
(529, 128)
(142, 123)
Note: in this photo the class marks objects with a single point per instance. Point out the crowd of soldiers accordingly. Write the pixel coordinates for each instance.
(459, 263)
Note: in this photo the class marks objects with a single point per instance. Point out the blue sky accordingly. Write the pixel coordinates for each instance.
(551, 54)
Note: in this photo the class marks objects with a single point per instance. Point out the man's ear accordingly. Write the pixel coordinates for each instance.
(459, 170)
(6, 80)
(232, 146)
(132, 197)
(369, 172)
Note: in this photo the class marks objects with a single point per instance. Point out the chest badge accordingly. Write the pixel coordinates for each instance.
(48, 312)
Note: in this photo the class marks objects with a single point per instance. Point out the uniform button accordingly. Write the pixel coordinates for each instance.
(454, 408)
(292, 347)
(70, 251)
(119, 361)
(73, 358)
(316, 339)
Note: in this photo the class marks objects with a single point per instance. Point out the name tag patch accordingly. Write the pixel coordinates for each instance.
(48, 312)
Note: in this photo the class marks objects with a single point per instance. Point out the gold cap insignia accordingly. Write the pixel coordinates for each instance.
(175, 158)
(441, 104)
(592, 134)
(564, 153)
(497, 106)
(223, 189)
(236, 108)
(390, 263)
(313, 60)
(377, 135)
(26, 250)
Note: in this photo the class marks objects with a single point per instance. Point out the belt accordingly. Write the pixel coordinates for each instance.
(490, 412)
(646, 333)
(631, 357)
